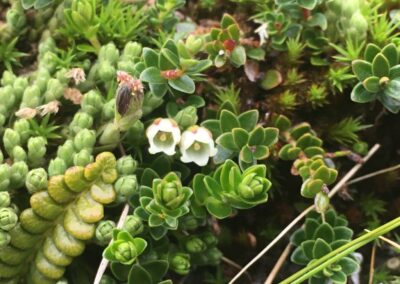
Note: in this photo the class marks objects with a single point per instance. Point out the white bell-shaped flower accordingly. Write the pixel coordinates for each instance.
(163, 135)
(197, 145)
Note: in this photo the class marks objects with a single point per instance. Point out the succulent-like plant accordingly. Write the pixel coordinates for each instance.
(230, 188)
(317, 238)
(379, 76)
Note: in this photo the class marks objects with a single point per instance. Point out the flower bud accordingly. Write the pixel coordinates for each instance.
(8, 219)
(163, 135)
(209, 239)
(11, 139)
(18, 172)
(54, 91)
(186, 117)
(80, 121)
(66, 152)
(108, 110)
(4, 239)
(5, 174)
(126, 186)
(321, 201)
(23, 128)
(169, 191)
(109, 53)
(36, 149)
(110, 135)
(214, 256)
(131, 51)
(36, 180)
(85, 139)
(133, 225)
(180, 263)
(125, 252)
(8, 78)
(104, 231)
(82, 158)
(189, 222)
(360, 148)
(195, 245)
(31, 97)
(126, 165)
(56, 167)
(19, 154)
(106, 71)
(5, 199)
(92, 103)
(127, 66)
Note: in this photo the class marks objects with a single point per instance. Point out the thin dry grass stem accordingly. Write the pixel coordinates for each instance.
(372, 264)
(235, 265)
(283, 233)
(373, 174)
(389, 241)
(271, 277)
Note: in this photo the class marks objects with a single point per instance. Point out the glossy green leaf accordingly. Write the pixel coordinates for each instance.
(360, 95)
(248, 119)
(371, 84)
(152, 75)
(217, 208)
(240, 137)
(362, 69)
(371, 51)
(184, 84)
(150, 57)
(380, 66)
(139, 275)
(228, 121)
(238, 56)
(391, 54)
(321, 248)
(325, 232)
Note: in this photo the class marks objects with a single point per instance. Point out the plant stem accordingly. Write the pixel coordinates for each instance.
(278, 264)
(340, 252)
(370, 175)
(372, 264)
(94, 41)
(283, 233)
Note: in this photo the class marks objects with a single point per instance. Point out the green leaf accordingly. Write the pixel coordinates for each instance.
(299, 257)
(307, 4)
(86, 48)
(391, 54)
(120, 271)
(171, 46)
(246, 155)
(168, 60)
(139, 275)
(156, 268)
(234, 32)
(307, 247)
(318, 20)
(152, 75)
(227, 141)
(380, 66)
(217, 208)
(310, 227)
(349, 266)
(371, 51)
(26, 4)
(248, 119)
(362, 69)
(228, 121)
(227, 20)
(343, 233)
(213, 125)
(325, 232)
(240, 137)
(238, 56)
(159, 90)
(393, 89)
(298, 237)
(321, 248)
(261, 152)
(272, 79)
(360, 95)
(155, 220)
(270, 136)
(150, 57)
(257, 136)
(148, 176)
(339, 277)
(371, 84)
(256, 54)
(184, 84)
(200, 189)
(394, 72)
(213, 186)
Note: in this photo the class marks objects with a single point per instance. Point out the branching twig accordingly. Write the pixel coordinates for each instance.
(337, 187)
(278, 264)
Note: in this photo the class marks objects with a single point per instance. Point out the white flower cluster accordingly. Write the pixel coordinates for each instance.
(195, 143)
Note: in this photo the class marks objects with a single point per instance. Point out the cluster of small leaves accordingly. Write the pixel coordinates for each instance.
(379, 77)
(229, 188)
(239, 135)
(8, 218)
(319, 236)
(76, 199)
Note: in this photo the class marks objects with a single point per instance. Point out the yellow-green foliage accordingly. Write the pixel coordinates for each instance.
(54, 229)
